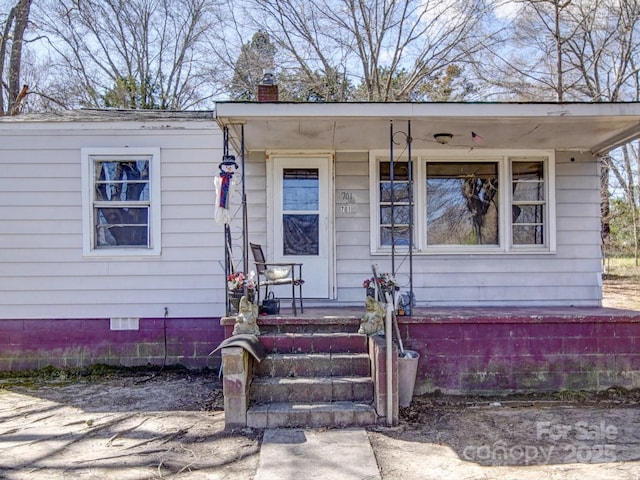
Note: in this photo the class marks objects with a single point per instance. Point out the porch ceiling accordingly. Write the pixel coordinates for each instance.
(366, 126)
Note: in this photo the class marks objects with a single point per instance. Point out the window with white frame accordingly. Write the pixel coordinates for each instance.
(528, 201)
(394, 191)
(465, 202)
(121, 208)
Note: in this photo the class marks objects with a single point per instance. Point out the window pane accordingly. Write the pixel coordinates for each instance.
(120, 181)
(528, 191)
(528, 234)
(300, 235)
(401, 214)
(401, 236)
(401, 192)
(300, 189)
(527, 170)
(462, 203)
(122, 227)
(400, 170)
(528, 213)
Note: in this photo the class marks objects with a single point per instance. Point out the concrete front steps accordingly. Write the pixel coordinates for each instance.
(318, 372)
(312, 379)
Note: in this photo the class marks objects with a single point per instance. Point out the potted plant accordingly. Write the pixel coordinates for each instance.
(386, 284)
(239, 284)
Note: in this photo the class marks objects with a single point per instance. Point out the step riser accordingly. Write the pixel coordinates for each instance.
(338, 365)
(321, 343)
(312, 390)
(307, 328)
(311, 416)
(336, 324)
(313, 376)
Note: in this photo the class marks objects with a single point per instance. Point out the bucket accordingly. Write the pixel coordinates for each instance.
(407, 371)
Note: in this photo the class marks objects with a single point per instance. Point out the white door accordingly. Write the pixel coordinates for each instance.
(300, 222)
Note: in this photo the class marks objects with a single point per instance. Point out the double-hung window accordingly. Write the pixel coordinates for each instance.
(121, 208)
(528, 201)
(394, 189)
(465, 202)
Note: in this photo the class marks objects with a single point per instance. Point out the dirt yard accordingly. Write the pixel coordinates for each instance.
(125, 427)
(170, 425)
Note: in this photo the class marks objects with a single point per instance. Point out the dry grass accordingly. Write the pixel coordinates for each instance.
(621, 285)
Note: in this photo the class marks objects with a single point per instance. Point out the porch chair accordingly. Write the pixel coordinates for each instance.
(277, 274)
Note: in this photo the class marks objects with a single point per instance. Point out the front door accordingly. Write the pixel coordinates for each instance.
(301, 223)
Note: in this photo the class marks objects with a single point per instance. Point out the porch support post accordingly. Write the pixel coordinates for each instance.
(411, 205)
(227, 231)
(393, 220)
(245, 223)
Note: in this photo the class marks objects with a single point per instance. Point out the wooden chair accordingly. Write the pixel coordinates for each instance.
(277, 274)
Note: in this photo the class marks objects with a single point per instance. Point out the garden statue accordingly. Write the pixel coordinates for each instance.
(246, 318)
(372, 322)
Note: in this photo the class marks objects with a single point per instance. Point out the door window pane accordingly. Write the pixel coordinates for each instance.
(300, 235)
(300, 193)
(300, 189)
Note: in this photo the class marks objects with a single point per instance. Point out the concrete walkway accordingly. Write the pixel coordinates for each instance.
(294, 454)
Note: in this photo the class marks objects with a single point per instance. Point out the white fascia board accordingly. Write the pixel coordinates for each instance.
(623, 138)
(228, 113)
(17, 128)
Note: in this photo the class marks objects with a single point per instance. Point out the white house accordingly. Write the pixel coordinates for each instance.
(505, 212)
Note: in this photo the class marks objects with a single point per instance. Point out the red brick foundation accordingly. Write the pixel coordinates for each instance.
(33, 344)
(521, 350)
(461, 350)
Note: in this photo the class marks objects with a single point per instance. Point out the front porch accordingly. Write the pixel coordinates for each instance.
(501, 349)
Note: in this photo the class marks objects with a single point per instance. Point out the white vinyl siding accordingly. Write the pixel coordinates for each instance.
(45, 275)
(44, 272)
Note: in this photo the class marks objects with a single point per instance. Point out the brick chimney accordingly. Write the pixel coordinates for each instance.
(267, 88)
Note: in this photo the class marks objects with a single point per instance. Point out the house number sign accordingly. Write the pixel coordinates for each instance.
(346, 203)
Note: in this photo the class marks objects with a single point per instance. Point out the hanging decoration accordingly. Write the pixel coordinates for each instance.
(224, 184)
(475, 138)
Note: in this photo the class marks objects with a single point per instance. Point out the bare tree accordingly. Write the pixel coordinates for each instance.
(389, 48)
(11, 44)
(625, 168)
(603, 49)
(572, 50)
(154, 47)
(529, 63)
(579, 50)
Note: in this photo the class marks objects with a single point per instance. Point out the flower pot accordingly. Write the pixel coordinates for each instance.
(407, 371)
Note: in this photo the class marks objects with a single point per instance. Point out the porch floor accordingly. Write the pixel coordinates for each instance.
(335, 314)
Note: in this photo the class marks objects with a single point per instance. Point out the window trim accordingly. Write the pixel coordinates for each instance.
(88, 155)
(504, 159)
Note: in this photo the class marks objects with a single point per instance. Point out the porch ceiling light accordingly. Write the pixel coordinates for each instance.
(443, 138)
